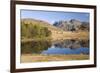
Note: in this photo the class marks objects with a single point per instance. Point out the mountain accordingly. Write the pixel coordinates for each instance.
(33, 29)
(72, 25)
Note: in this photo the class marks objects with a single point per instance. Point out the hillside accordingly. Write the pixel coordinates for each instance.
(32, 29)
(40, 23)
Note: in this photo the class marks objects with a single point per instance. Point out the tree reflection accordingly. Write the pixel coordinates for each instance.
(34, 47)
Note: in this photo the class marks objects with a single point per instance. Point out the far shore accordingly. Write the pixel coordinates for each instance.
(70, 35)
(61, 36)
(27, 58)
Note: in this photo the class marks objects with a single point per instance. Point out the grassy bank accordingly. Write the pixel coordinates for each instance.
(70, 35)
(60, 36)
(36, 39)
(45, 58)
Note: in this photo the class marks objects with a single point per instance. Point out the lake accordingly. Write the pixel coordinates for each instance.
(69, 46)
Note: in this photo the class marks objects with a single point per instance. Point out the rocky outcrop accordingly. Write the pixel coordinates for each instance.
(72, 25)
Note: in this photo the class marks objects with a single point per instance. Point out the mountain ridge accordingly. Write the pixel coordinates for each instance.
(72, 25)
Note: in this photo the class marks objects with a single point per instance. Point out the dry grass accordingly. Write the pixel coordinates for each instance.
(70, 35)
(46, 58)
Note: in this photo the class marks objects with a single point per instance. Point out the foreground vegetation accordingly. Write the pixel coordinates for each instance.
(45, 58)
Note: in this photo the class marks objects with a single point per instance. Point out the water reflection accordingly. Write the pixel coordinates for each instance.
(34, 47)
(56, 47)
(72, 44)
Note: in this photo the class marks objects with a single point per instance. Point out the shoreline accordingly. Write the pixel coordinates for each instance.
(59, 36)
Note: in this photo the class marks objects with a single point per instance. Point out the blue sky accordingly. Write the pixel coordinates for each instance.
(52, 16)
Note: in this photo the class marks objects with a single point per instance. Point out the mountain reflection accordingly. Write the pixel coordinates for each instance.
(72, 44)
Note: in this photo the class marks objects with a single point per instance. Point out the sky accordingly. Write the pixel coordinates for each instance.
(52, 16)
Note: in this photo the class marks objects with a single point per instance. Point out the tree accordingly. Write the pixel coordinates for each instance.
(34, 31)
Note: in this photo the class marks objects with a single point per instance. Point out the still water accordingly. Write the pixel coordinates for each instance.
(56, 47)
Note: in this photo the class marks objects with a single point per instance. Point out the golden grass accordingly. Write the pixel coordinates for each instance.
(45, 58)
(61, 36)
(70, 35)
